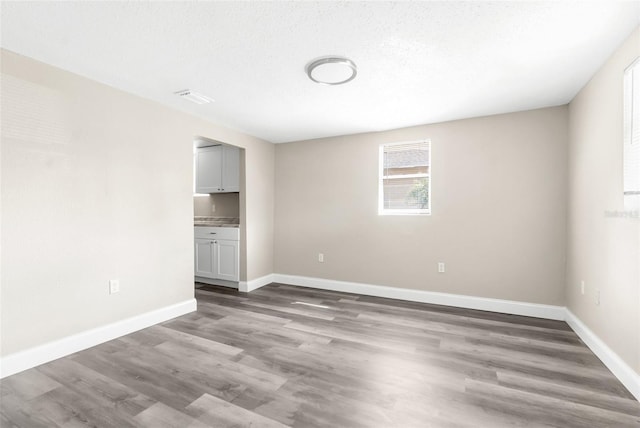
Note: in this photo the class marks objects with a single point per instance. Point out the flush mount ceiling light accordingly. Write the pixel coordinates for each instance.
(332, 70)
(194, 97)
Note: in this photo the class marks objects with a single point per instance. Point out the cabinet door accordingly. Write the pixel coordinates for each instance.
(208, 167)
(227, 258)
(230, 169)
(204, 258)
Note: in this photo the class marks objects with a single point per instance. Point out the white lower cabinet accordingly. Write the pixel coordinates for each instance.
(204, 258)
(225, 254)
(217, 253)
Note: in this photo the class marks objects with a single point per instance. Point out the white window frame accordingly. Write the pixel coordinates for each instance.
(388, 211)
(631, 151)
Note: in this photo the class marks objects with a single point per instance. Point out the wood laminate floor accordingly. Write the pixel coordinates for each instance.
(288, 356)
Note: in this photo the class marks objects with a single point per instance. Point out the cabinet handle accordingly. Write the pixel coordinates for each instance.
(212, 233)
(222, 190)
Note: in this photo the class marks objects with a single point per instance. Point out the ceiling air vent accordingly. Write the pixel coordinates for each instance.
(194, 97)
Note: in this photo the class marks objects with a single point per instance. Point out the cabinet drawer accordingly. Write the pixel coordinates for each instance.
(230, 233)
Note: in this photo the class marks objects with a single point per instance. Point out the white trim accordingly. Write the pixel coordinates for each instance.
(460, 301)
(417, 175)
(254, 284)
(388, 211)
(20, 361)
(23, 360)
(625, 374)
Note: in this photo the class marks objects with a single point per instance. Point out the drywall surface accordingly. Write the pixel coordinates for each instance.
(97, 185)
(498, 209)
(603, 242)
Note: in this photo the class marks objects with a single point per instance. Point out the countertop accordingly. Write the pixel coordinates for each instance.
(216, 221)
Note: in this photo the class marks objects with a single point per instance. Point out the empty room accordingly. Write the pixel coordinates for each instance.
(320, 214)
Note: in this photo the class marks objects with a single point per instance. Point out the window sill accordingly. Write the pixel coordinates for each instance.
(405, 212)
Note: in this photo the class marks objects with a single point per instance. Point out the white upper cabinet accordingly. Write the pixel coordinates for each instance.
(230, 169)
(217, 169)
(208, 165)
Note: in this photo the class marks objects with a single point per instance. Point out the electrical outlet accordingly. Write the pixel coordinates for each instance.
(213, 208)
(114, 286)
(320, 257)
(582, 287)
(598, 297)
(441, 267)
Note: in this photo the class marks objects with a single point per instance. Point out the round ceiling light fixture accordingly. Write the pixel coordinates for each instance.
(332, 70)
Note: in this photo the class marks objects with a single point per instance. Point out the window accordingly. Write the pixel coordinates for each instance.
(405, 178)
(632, 136)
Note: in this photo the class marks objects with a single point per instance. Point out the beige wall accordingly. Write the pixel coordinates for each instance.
(498, 222)
(603, 251)
(97, 184)
(259, 221)
(217, 205)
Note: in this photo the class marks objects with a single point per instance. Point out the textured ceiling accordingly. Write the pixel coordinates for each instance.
(418, 62)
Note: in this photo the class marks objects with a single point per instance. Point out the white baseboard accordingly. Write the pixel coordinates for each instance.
(15, 363)
(456, 300)
(625, 374)
(23, 360)
(254, 284)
